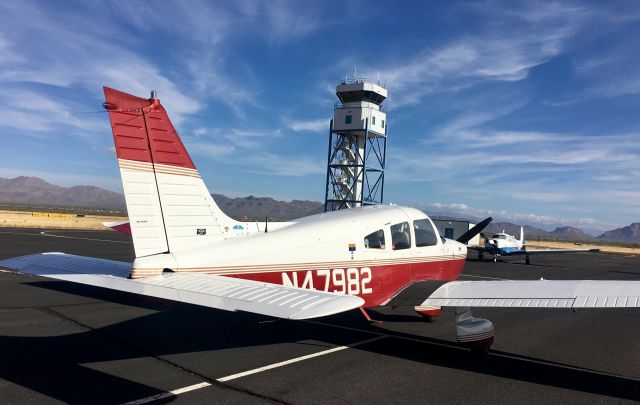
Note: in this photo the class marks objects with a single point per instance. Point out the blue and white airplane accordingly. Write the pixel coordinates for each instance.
(503, 244)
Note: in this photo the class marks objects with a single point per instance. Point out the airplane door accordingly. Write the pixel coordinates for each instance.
(429, 251)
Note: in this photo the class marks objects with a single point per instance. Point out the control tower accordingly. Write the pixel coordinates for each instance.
(357, 146)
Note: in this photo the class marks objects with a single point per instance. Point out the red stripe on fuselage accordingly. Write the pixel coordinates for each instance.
(385, 281)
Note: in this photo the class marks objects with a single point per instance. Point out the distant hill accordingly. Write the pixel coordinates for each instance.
(34, 191)
(629, 233)
(571, 233)
(514, 229)
(260, 207)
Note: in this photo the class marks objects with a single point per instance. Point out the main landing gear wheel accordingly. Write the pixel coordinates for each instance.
(474, 333)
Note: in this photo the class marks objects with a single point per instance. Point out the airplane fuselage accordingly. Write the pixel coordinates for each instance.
(503, 244)
(372, 252)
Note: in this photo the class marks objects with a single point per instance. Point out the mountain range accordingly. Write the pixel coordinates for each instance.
(33, 191)
(257, 208)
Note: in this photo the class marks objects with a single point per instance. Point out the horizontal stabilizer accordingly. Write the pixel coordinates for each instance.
(43, 264)
(226, 293)
(124, 227)
(537, 294)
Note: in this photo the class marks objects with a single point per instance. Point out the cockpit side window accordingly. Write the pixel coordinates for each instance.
(401, 236)
(425, 235)
(374, 240)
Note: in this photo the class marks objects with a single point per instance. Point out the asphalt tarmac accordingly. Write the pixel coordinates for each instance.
(61, 342)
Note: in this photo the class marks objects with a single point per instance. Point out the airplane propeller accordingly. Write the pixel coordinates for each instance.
(467, 236)
(483, 236)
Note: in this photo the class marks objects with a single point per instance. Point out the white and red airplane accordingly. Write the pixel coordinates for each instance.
(188, 250)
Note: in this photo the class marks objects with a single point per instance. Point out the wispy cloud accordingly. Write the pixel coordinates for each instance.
(209, 150)
(67, 59)
(34, 114)
(288, 21)
(548, 222)
(285, 165)
(611, 75)
(484, 52)
(253, 151)
(319, 125)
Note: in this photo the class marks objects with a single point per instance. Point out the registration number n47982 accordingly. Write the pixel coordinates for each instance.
(353, 281)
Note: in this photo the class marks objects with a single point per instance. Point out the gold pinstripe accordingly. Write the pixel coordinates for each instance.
(158, 168)
(274, 268)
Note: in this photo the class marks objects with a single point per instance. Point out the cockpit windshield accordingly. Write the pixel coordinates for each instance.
(425, 235)
(499, 236)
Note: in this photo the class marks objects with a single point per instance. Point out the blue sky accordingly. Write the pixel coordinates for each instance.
(526, 111)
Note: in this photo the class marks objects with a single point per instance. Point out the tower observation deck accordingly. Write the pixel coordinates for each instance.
(357, 146)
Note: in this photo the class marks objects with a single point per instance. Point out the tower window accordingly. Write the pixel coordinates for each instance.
(382, 123)
(347, 119)
(373, 120)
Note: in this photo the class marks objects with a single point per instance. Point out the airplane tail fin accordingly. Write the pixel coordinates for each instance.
(522, 235)
(169, 206)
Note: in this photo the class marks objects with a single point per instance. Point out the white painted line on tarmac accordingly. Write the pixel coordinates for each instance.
(251, 372)
(298, 359)
(61, 236)
(76, 237)
(169, 394)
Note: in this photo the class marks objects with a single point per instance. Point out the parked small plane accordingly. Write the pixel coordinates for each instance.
(188, 250)
(503, 244)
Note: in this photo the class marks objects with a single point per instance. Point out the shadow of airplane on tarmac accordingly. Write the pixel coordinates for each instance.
(56, 366)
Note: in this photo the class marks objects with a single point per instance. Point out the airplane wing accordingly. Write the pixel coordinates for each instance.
(545, 251)
(537, 294)
(124, 227)
(479, 248)
(227, 293)
(530, 252)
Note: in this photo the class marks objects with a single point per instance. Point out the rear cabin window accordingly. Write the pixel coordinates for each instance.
(400, 236)
(374, 240)
(425, 235)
